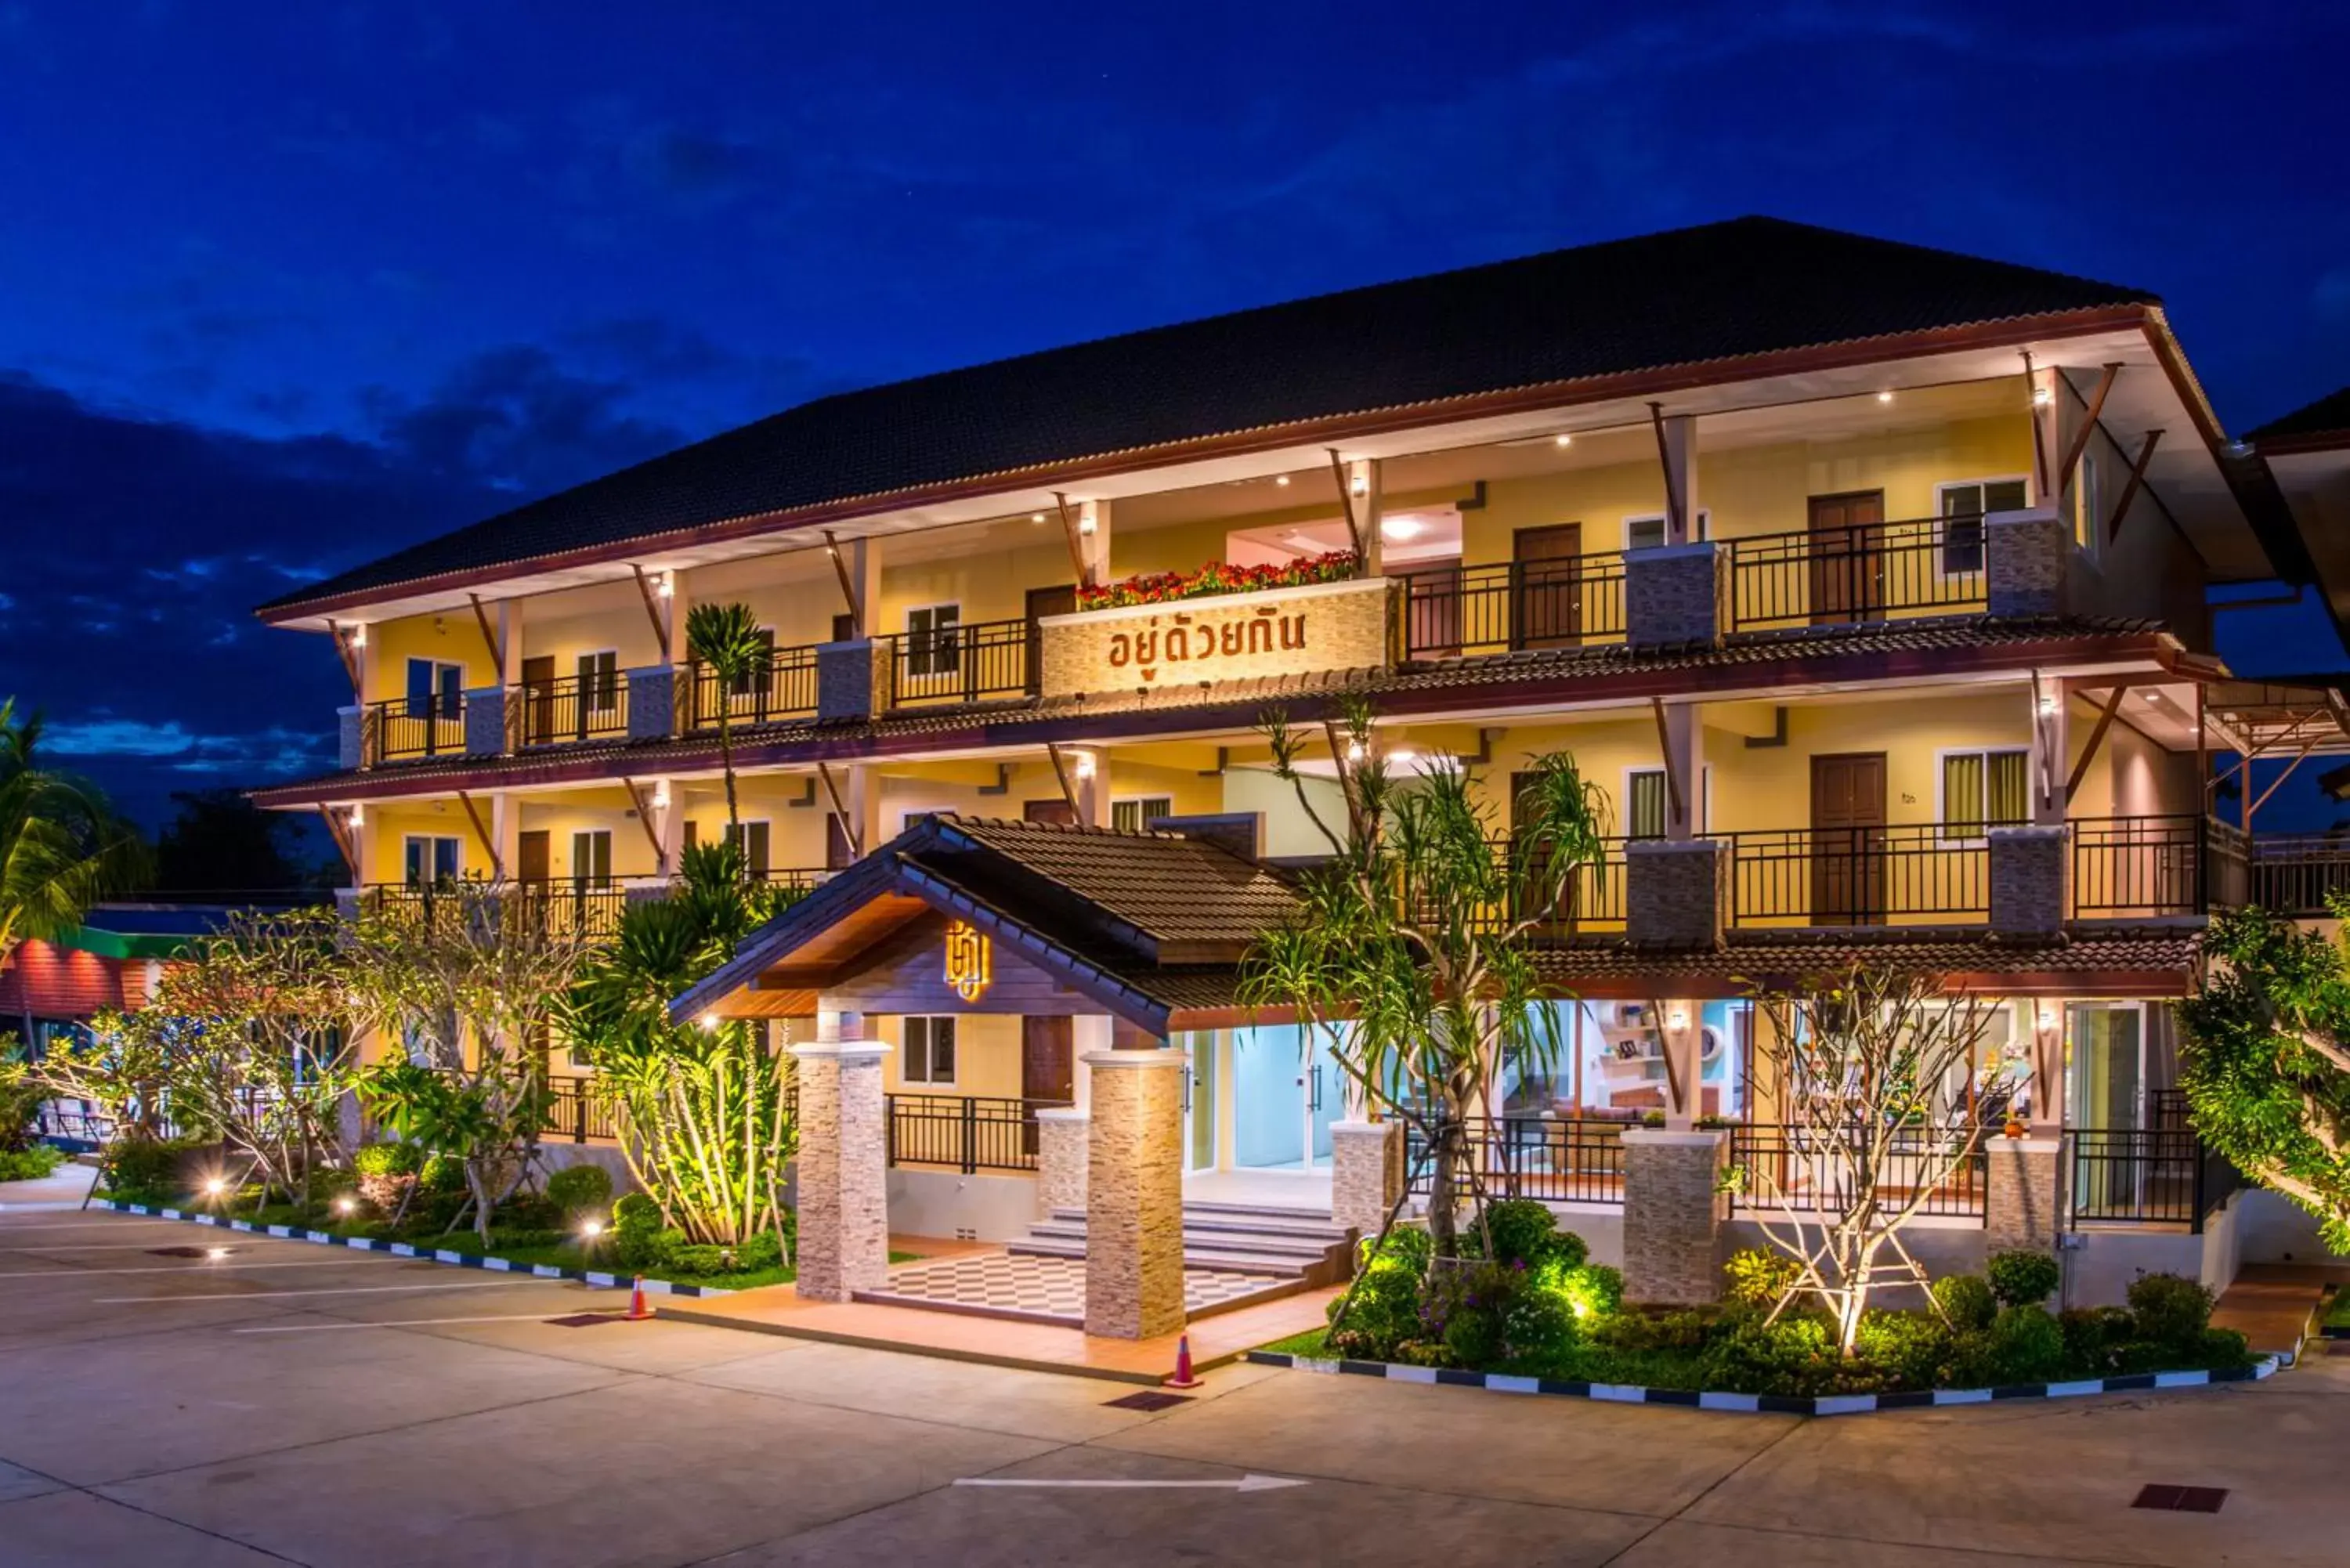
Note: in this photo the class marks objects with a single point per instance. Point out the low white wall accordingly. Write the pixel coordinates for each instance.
(2273, 1230)
(2224, 1243)
(2100, 1264)
(558, 1156)
(946, 1203)
(1601, 1226)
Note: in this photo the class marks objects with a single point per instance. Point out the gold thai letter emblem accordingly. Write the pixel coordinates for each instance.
(969, 965)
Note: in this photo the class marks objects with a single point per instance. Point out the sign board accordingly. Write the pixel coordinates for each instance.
(970, 963)
(1225, 637)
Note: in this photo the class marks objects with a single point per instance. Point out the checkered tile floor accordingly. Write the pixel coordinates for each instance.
(1038, 1287)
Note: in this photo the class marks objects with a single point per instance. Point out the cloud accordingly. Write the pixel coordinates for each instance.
(512, 419)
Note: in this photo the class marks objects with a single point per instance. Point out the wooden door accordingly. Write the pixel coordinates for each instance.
(538, 700)
(1060, 600)
(840, 854)
(1048, 1068)
(844, 627)
(1847, 838)
(533, 862)
(1547, 586)
(1058, 813)
(1848, 576)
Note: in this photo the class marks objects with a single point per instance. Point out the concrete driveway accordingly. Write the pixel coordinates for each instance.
(283, 1402)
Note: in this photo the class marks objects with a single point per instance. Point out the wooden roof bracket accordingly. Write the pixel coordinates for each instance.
(490, 641)
(2080, 441)
(847, 588)
(1061, 775)
(2039, 435)
(644, 806)
(342, 635)
(1347, 500)
(1676, 524)
(1672, 765)
(2097, 739)
(653, 614)
(2131, 487)
(1077, 544)
(850, 829)
(481, 833)
(338, 827)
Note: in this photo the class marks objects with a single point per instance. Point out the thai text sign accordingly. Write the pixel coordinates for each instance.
(970, 963)
(1234, 637)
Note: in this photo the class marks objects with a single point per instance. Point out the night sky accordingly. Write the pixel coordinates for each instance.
(284, 286)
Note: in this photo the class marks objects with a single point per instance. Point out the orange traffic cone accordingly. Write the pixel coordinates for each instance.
(637, 1310)
(1183, 1378)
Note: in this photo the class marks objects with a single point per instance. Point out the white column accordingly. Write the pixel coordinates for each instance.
(2048, 425)
(1685, 767)
(1364, 484)
(670, 606)
(2049, 761)
(865, 574)
(668, 823)
(842, 1171)
(1094, 539)
(861, 798)
(509, 625)
(1089, 781)
(506, 831)
(1088, 1034)
(1681, 465)
(1684, 1043)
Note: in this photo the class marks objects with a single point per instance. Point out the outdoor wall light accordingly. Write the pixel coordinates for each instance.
(1084, 765)
(356, 816)
(1354, 750)
(660, 796)
(667, 585)
(2042, 396)
(1361, 484)
(2048, 707)
(1677, 1018)
(358, 636)
(1086, 524)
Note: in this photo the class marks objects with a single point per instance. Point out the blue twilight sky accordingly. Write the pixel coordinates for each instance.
(283, 286)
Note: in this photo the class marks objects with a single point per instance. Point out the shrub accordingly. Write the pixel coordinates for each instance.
(1523, 1232)
(577, 1190)
(144, 1170)
(1539, 1325)
(1384, 1311)
(2170, 1310)
(1638, 1331)
(326, 1185)
(1593, 1290)
(640, 1240)
(1793, 1356)
(1909, 1349)
(2023, 1278)
(1966, 1301)
(385, 1160)
(441, 1175)
(2027, 1345)
(2095, 1335)
(30, 1163)
(1464, 1305)
(1759, 1276)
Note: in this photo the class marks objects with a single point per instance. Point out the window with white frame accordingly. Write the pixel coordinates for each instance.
(591, 857)
(1647, 530)
(1983, 789)
(1134, 815)
(1645, 799)
(428, 860)
(932, 646)
(755, 839)
(600, 681)
(436, 689)
(1963, 505)
(926, 1052)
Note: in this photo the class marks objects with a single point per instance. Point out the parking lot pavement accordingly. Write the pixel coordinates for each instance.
(284, 1402)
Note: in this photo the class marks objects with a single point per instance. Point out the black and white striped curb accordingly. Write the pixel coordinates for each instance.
(425, 1255)
(1774, 1404)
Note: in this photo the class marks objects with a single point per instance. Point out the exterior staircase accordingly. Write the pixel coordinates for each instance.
(1303, 1246)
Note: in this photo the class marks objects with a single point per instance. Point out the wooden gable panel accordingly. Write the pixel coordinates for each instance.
(907, 973)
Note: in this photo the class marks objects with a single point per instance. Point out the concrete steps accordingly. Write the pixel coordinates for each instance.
(1304, 1245)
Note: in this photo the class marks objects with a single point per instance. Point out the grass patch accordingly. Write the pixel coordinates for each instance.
(2337, 1310)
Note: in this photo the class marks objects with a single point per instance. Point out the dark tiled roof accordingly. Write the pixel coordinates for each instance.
(1244, 699)
(1173, 890)
(1718, 292)
(2330, 415)
(1769, 958)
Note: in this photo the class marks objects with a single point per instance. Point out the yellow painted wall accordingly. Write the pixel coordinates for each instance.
(385, 828)
(1754, 490)
(796, 594)
(987, 1056)
(577, 811)
(565, 625)
(992, 586)
(451, 638)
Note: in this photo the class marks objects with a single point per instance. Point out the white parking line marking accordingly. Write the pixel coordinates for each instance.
(399, 1323)
(339, 1290)
(199, 1266)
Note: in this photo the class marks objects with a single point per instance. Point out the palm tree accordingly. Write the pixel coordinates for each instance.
(62, 848)
(727, 641)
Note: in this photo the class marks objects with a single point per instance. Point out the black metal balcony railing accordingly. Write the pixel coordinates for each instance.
(575, 1111)
(570, 710)
(975, 662)
(1514, 605)
(1594, 901)
(588, 908)
(1844, 575)
(2151, 866)
(1802, 1168)
(1859, 875)
(405, 729)
(2297, 874)
(784, 692)
(967, 1132)
(2138, 1175)
(1528, 1157)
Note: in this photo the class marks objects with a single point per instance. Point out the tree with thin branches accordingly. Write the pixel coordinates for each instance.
(1860, 1067)
(1411, 955)
(725, 639)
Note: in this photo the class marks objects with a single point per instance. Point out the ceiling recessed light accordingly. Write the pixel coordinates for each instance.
(1035, 517)
(1884, 397)
(1563, 440)
(1401, 527)
(1282, 480)
(2152, 696)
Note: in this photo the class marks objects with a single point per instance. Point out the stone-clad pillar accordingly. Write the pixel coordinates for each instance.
(1673, 1210)
(2027, 880)
(1365, 1173)
(1061, 1151)
(1134, 1195)
(653, 702)
(2028, 559)
(843, 1168)
(852, 678)
(485, 722)
(2021, 1200)
(1672, 595)
(1673, 891)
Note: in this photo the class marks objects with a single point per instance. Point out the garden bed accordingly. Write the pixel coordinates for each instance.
(1671, 1384)
(2333, 1314)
